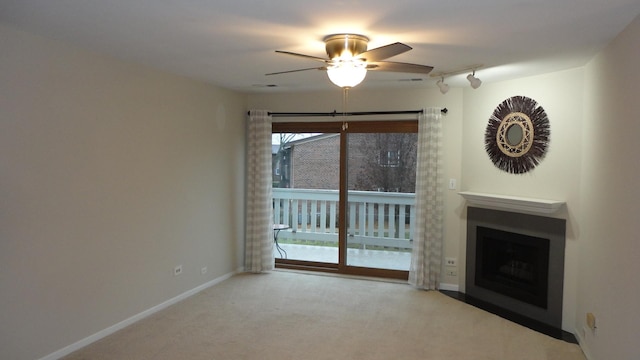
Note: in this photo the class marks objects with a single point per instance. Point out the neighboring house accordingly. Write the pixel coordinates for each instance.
(377, 162)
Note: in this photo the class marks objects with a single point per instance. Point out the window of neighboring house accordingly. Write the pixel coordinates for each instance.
(389, 158)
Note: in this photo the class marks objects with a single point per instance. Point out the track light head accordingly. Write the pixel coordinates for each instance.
(443, 87)
(474, 81)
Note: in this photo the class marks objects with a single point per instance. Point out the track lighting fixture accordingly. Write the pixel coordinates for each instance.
(473, 80)
(443, 87)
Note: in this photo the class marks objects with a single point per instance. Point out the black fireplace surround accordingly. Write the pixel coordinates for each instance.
(515, 267)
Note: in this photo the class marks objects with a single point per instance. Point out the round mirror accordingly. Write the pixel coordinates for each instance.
(514, 135)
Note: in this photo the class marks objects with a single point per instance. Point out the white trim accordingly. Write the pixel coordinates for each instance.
(514, 203)
(581, 342)
(121, 325)
(449, 287)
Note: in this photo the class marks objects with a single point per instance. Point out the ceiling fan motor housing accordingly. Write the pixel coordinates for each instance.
(338, 44)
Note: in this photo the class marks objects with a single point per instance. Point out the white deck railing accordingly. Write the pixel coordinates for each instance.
(374, 218)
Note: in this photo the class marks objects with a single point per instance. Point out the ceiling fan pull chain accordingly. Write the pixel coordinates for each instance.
(345, 98)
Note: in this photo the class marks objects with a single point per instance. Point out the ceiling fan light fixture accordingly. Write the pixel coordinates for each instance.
(474, 81)
(348, 59)
(347, 74)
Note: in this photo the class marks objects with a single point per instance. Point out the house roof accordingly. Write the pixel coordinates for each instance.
(231, 43)
(303, 140)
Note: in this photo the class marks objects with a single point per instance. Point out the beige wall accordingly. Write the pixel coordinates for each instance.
(610, 245)
(111, 174)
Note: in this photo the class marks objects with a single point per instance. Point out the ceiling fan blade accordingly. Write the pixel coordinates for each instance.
(302, 55)
(384, 52)
(399, 67)
(291, 71)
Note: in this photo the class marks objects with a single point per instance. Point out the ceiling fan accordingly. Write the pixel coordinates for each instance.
(349, 59)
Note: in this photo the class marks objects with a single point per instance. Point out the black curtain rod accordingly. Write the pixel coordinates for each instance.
(335, 113)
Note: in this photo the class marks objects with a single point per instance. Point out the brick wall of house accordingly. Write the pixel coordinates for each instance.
(316, 163)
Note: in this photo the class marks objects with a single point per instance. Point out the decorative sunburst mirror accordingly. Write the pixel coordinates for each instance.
(517, 135)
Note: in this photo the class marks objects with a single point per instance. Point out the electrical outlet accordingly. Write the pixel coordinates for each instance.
(203, 270)
(591, 321)
(450, 261)
(452, 273)
(177, 270)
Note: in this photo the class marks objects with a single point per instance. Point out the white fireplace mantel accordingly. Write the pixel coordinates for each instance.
(512, 203)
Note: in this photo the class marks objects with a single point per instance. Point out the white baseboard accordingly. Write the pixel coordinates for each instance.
(121, 325)
(581, 343)
(449, 287)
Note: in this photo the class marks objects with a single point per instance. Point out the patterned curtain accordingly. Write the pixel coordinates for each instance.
(259, 226)
(426, 256)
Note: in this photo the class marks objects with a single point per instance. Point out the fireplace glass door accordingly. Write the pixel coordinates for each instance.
(513, 264)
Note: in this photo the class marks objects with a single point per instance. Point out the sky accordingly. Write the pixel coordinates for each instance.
(275, 138)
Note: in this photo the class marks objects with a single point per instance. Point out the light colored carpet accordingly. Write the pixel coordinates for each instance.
(287, 315)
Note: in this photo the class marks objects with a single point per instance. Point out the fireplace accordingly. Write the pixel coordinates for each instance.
(515, 266)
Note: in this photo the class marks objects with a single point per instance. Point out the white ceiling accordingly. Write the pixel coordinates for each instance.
(231, 43)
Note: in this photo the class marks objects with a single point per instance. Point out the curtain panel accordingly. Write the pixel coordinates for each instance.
(259, 214)
(426, 257)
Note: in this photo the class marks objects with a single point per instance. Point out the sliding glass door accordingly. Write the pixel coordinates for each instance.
(380, 199)
(343, 196)
(306, 169)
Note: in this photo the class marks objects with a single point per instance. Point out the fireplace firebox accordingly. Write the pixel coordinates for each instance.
(515, 266)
